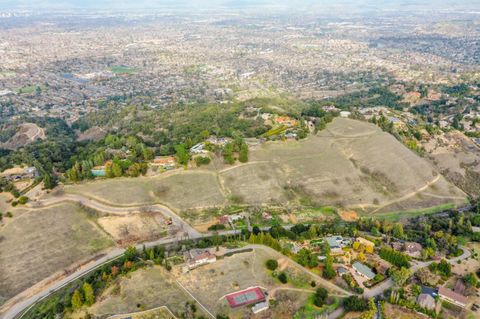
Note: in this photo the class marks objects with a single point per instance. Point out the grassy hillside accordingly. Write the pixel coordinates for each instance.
(351, 164)
(36, 244)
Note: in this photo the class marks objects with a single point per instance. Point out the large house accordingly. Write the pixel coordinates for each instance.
(363, 270)
(286, 120)
(197, 258)
(16, 175)
(336, 243)
(165, 162)
(412, 249)
(198, 148)
(365, 242)
(452, 296)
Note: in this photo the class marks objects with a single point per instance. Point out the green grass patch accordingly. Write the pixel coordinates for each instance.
(309, 310)
(123, 69)
(275, 131)
(397, 215)
(30, 89)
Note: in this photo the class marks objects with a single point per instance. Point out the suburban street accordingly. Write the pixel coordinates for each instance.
(387, 284)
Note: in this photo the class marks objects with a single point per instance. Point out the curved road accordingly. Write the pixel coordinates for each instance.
(16, 305)
(23, 301)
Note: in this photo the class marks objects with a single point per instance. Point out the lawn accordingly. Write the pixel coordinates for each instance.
(398, 215)
(30, 89)
(309, 310)
(35, 244)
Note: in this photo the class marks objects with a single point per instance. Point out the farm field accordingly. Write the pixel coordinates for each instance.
(351, 165)
(142, 290)
(36, 244)
(240, 271)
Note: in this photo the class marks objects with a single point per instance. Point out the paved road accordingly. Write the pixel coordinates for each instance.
(18, 304)
(387, 284)
(21, 302)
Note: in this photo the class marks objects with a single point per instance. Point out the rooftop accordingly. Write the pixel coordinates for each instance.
(364, 270)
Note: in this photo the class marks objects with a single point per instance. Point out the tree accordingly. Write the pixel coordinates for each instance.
(89, 295)
(400, 276)
(416, 290)
(398, 230)
(228, 150)
(116, 169)
(443, 267)
(328, 271)
(354, 303)
(182, 155)
(271, 264)
(49, 181)
(306, 258)
(77, 300)
(131, 253)
(282, 277)
(320, 297)
(471, 279)
(243, 153)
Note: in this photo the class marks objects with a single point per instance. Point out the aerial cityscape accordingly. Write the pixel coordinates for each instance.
(239, 159)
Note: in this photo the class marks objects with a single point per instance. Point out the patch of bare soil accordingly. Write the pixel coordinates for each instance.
(134, 227)
(348, 216)
(94, 134)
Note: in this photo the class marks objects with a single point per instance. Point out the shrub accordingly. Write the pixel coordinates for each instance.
(217, 227)
(202, 160)
(271, 264)
(22, 200)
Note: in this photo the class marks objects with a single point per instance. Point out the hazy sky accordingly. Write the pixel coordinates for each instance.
(209, 4)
